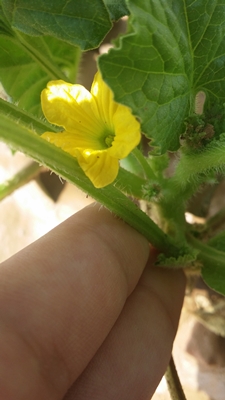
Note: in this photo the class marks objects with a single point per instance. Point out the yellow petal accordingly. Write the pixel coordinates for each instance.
(69, 142)
(118, 117)
(63, 140)
(127, 133)
(99, 167)
(104, 100)
(91, 122)
(70, 106)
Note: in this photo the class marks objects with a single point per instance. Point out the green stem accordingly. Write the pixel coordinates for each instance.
(20, 179)
(206, 252)
(23, 139)
(173, 382)
(191, 166)
(149, 174)
(25, 118)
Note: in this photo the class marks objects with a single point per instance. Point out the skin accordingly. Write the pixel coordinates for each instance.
(85, 315)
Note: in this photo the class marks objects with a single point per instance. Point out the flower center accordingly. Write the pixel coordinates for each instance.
(106, 138)
(109, 139)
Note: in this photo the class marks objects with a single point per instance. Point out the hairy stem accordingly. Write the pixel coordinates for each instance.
(194, 167)
(24, 139)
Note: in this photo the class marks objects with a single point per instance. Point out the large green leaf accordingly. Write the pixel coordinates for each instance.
(174, 48)
(26, 68)
(116, 8)
(83, 23)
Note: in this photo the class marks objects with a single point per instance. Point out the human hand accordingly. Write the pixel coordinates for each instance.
(85, 315)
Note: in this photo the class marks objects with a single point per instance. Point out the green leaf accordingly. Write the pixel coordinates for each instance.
(116, 8)
(83, 23)
(173, 50)
(213, 260)
(218, 242)
(4, 26)
(28, 66)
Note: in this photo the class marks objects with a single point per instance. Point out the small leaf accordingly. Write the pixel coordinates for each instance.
(173, 50)
(82, 23)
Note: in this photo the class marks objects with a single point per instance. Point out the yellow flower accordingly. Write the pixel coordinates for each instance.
(98, 131)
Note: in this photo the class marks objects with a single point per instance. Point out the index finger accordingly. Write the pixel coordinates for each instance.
(60, 298)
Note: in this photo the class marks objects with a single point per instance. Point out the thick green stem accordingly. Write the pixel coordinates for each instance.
(206, 252)
(21, 178)
(23, 139)
(173, 382)
(194, 167)
(25, 119)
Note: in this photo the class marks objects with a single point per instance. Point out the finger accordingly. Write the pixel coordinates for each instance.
(59, 299)
(133, 358)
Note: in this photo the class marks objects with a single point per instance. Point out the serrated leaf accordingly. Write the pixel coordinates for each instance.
(173, 50)
(23, 78)
(82, 23)
(116, 8)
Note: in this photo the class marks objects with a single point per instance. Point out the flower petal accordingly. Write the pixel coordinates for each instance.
(104, 100)
(98, 131)
(69, 141)
(99, 167)
(70, 106)
(118, 117)
(127, 132)
(64, 140)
